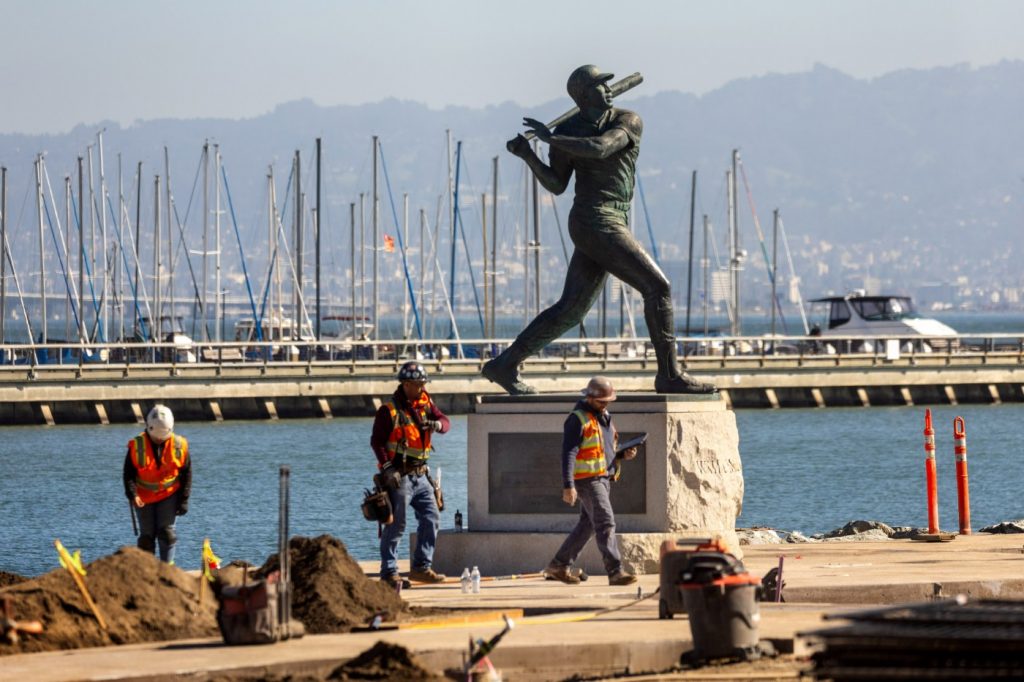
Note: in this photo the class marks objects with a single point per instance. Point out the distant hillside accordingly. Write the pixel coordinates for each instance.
(913, 176)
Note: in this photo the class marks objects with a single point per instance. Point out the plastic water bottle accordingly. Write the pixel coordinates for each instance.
(475, 578)
(465, 580)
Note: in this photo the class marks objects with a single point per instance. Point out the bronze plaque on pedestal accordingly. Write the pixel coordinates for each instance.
(524, 476)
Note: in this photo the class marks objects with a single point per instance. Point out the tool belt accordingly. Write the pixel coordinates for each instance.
(414, 467)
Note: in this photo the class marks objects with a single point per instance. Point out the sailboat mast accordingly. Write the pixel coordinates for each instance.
(297, 288)
(156, 322)
(423, 256)
(483, 213)
(405, 240)
(3, 253)
(138, 227)
(375, 217)
(170, 245)
(362, 255)
(775, 264)
(105, 289)
(316, 227)
(42, 250)
(67, 246)
(689, 253)
(494, 249)
(218, 307)
(706, 265)
(734, 245)
(204, 299)
(352, 229)
(93, 272)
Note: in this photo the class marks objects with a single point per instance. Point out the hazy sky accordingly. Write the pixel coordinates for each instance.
(68, 62)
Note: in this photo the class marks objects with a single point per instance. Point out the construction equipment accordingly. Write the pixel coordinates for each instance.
(721, 600)
(674, 555)
(480, 650)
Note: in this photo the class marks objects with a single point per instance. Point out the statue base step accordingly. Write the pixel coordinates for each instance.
(508, 553)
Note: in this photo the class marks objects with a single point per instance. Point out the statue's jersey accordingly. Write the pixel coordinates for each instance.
(608, 180)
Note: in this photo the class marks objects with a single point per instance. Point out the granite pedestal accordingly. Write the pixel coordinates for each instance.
(686, 481)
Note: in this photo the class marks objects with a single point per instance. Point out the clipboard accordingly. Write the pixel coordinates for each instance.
(631, 443)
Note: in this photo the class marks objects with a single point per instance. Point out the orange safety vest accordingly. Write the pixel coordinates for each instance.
(590, 458)
(154, 483)
(405, 438)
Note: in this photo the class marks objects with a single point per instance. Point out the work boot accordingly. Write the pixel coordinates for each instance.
(506, 375)
(393, 581)
(682, 383)
(576, 572)
(426, 575)
(562, 573)
(620, 577)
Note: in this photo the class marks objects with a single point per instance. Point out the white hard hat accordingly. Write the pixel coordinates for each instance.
(160, 423)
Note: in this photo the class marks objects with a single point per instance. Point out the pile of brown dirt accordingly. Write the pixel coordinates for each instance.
(330, 593)
(385, 661)
(141, 598)
(10, 578)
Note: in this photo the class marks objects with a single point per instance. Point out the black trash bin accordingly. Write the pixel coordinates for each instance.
(721, 600)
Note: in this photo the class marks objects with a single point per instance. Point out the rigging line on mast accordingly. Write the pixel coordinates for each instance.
(17, 285)
(238, 237)
(85, 261)
(465, 246)
(141, 281)
(760, 237)
(444, 293)
(401, 242)
(273, 255)
(60, 247)
(795, 278)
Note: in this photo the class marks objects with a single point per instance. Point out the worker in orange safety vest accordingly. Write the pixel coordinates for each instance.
(158, 481)
(589, 465)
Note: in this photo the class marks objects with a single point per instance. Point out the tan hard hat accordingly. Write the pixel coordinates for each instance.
(600, 388)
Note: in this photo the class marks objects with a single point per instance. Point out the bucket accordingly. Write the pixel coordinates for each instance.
(721, 600)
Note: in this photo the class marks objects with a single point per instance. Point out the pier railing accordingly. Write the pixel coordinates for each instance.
(466, 356)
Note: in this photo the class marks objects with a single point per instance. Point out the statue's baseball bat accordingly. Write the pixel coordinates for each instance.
(617, 88)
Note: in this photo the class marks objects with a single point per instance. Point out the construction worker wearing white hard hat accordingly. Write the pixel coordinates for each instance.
(158, 481)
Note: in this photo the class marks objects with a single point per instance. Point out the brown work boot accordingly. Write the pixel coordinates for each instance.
(394, 580)
(426, 575)
(562, 573)
(620, 577)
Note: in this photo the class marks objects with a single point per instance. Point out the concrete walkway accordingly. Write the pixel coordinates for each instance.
(560, 635)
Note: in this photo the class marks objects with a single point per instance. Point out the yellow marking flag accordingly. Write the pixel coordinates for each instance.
(69, 561)
(211, 561)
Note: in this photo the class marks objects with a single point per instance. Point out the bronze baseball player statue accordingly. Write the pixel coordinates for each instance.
(600, 144)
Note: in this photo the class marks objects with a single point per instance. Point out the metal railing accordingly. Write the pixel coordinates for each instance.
(468, 355)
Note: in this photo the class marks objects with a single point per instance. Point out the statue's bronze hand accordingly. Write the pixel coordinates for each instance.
(539, 129)
(519, 146)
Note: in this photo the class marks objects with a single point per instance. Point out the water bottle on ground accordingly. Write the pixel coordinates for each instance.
(475, 578)
(465, 580)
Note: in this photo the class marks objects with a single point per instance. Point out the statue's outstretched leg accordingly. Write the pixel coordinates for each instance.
(634, 267)
(583, 282)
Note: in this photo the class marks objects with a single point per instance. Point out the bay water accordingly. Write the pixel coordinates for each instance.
(810, 470)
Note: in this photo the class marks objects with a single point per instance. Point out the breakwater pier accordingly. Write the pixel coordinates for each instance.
(73, 383)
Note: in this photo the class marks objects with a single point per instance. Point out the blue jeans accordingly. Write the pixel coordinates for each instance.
(596, 518)
(156, 520)
(416, 492)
